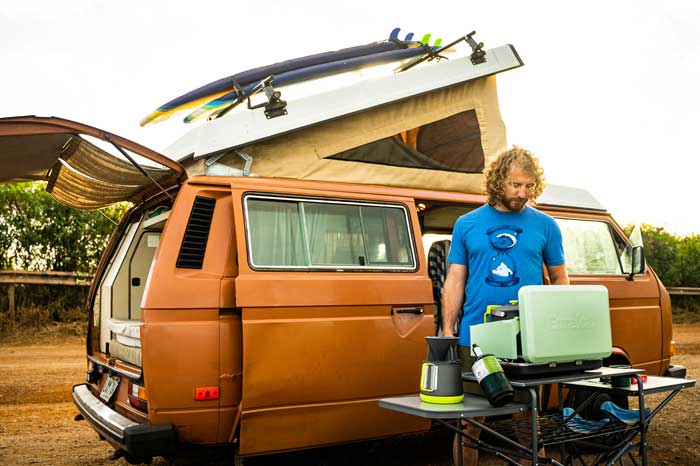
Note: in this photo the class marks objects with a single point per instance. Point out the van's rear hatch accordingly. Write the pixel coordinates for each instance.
(87, 168)
(82, 172)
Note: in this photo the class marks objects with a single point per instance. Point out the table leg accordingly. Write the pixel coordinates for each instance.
(533, 413)
(560, 393)
(459, 443)
(642, 420)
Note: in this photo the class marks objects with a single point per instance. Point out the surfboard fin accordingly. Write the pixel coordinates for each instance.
(394, 35)
(478, 56)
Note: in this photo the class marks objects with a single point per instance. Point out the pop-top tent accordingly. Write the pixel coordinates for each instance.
(431, 137)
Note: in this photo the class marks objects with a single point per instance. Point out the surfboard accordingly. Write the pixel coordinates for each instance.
(308, 73)
(225, 85)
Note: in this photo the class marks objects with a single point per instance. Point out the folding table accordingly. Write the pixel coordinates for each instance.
(550, 429)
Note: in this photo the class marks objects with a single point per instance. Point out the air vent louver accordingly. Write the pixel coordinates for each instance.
(195, 241)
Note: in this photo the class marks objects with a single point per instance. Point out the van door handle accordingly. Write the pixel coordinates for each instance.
(407, 310)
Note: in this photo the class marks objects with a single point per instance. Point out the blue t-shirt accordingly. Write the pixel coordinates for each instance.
(502, 251)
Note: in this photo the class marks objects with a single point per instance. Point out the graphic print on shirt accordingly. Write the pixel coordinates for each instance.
(502, 269)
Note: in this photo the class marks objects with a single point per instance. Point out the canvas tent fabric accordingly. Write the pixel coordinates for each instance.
(449, 154)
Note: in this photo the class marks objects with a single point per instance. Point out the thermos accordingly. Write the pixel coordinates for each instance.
(441, 374)
(491, 378)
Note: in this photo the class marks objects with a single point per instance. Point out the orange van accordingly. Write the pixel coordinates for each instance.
(267, 289)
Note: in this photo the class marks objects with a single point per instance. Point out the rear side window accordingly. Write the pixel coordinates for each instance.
(591, 247)
(288, 233)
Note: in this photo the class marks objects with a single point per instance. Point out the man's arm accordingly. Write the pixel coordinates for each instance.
(453, 296)
(558, 274)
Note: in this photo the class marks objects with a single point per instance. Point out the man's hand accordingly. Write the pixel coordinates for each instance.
(453, 296)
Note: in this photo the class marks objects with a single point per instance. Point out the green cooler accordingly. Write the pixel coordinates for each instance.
(557, 328)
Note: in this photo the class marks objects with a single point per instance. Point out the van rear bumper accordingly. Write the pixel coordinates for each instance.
(139, 441)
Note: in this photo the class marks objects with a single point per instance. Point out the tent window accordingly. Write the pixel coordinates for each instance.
(451, 144)
(454, 142)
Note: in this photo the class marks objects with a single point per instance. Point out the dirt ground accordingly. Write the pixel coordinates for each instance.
(37, 426)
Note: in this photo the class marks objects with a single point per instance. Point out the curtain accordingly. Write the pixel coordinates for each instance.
(275, 233)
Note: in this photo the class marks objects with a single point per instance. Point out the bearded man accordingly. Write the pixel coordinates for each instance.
(498, 248)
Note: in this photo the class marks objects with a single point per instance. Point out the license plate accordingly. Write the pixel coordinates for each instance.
(109, 388)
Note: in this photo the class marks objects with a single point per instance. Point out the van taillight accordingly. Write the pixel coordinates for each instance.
(672, 348)
(206, 393)
(137, 397)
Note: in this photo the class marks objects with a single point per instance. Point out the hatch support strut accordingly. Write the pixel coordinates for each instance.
(138, 167)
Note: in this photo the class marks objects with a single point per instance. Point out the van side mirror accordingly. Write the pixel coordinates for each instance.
(638, 262)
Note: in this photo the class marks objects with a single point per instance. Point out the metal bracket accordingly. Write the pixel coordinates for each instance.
(212, 160)
(248, 161)
(247, 158)
(478, 55)
(275, 106)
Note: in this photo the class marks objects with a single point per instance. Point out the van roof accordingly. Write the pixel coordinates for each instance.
(566, 196)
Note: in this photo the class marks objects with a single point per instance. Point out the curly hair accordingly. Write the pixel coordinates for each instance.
(495, 174)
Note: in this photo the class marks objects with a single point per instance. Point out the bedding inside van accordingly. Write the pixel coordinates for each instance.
(125, 353)
(126, 332)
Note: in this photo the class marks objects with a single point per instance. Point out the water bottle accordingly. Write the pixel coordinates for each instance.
(492, 379)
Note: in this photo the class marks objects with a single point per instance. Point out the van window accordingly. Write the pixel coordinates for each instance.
(296, 233)
(591, 247)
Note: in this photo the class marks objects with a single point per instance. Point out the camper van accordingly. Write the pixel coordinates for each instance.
(271, 281)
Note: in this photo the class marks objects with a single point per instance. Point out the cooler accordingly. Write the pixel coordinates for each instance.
(555, 328)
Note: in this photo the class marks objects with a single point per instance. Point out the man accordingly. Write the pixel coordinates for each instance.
(498, 248)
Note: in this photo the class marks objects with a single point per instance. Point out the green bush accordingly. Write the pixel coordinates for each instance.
(661, 251)
(676, 260)
(38, 233)
(686, 267)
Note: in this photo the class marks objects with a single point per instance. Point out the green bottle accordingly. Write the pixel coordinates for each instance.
(492, 379)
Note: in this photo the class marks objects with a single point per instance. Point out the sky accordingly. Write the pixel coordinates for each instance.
(608, 98)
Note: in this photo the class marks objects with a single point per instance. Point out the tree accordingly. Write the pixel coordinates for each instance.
(38, 233)
(661, 252)
(687, 264)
